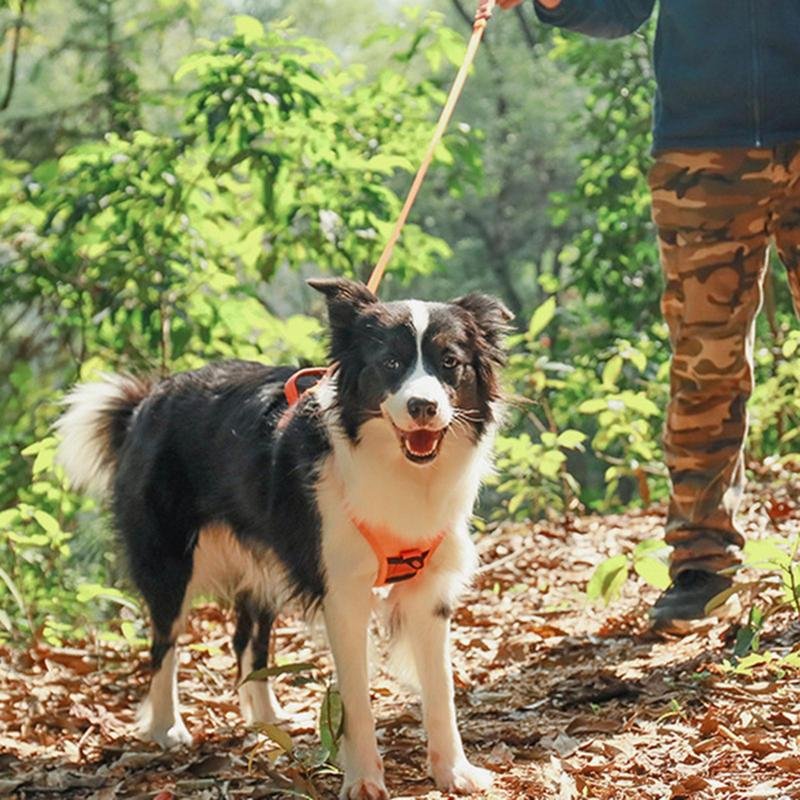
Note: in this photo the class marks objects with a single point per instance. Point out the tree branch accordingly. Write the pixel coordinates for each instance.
(496, 261)
(12, 69)
(462, 12)
(527, 33)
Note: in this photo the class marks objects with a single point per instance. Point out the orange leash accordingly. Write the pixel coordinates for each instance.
(395, 562)
(482, 16)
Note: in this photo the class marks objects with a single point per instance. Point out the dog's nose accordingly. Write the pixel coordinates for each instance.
(422, 410)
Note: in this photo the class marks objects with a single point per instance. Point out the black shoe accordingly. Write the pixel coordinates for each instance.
(687, 599)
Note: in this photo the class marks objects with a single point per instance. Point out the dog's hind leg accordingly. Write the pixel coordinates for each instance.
(160, 719)
(251, 642)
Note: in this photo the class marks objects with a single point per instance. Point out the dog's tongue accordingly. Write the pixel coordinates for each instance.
(422, 441)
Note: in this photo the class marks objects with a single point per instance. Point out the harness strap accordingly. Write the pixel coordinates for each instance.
(291, 389)
(398, 565)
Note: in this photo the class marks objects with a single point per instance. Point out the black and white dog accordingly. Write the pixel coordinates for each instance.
(219, 487)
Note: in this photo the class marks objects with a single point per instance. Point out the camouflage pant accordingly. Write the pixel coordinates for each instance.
(716, 212)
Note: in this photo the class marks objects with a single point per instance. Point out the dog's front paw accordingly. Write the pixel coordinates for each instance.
(363, 789)
(462, 778)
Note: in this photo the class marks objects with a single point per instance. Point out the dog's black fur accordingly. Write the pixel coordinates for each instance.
(200, 449)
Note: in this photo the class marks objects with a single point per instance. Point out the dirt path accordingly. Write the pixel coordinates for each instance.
(561, 698)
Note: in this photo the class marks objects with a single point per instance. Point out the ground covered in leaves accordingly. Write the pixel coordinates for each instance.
(561, 698)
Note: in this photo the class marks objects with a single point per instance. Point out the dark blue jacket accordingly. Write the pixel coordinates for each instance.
(727, 71)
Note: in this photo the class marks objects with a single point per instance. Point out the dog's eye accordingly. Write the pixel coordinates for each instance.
(449, 361)
(391, 364)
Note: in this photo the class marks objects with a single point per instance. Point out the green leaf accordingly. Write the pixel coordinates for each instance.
(791, 660)
(196, 62)
(571, 439)
(720, 599)
(751, 660)
(276, 734)
(249, 28)
(648, 547)
(33, 449)
(542, 317)
(284, 669)
(612, 371)
(15, 592)
(765, 553)
(569, 254)
(46, 171)
(550, 463)
(47, 521)
(87, 592)
(790, 347)
(331, 722)
(593, 406)
(9, 517)
(515, 503)
(44, 460)
(452, 45)
(638, 402)
(637, 358)
(549, 282)
(653, 571)
(387, 164)
(746, 641)
(549, 439)
(608, 578)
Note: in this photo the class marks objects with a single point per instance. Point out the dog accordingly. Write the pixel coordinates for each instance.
(217, 485)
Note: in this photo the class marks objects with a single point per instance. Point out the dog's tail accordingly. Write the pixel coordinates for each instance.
(93, 428)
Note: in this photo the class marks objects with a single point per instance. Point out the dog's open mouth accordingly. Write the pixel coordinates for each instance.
(421, 445)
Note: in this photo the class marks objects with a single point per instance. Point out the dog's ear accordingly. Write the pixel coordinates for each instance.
(491, 316)
(346, 299)
(490, 320)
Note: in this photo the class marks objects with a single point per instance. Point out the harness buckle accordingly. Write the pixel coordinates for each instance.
(406, 564)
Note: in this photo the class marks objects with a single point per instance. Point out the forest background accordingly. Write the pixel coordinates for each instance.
(171, 171)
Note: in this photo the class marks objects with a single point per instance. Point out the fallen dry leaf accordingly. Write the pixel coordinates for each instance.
(784, 761)
(585, 724)
(560, 698)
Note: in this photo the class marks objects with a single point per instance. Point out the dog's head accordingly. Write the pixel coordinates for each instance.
(424, 368)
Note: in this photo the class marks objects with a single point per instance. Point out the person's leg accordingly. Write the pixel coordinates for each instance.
(786, 216)
(711, 211)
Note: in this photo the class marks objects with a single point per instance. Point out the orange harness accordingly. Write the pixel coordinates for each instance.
(396, 565)
(396, 561)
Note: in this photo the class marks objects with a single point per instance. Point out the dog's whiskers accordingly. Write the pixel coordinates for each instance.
(468, 416)
(462, 424)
